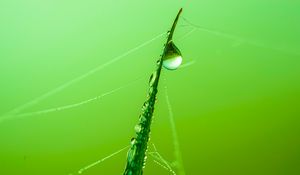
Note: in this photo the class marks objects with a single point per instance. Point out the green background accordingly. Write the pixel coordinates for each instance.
(236, 108)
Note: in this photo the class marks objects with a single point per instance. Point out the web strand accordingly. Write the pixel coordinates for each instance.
(164, 167)
(188, 64)
(177, 152)
(80, 171)
(16, 112)
(79, 78)
(161, 161)
(237, 38)
(70, 106)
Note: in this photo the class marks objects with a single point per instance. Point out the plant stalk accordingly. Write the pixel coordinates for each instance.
(136, 156)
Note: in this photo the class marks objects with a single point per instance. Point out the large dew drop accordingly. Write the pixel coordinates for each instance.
(172, 58)
(172, 63)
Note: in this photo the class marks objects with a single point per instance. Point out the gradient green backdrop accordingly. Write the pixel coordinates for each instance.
(236, 108)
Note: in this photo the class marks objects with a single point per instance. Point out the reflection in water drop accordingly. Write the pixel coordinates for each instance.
(172, 63)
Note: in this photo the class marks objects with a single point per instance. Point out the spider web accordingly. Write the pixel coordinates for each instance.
(155, 155)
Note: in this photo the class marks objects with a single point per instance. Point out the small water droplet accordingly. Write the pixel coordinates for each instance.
(132, 141)
(151, 90)
(138, 128)
(152, 78)
(145, 106)
(158, 62)
(143, 119)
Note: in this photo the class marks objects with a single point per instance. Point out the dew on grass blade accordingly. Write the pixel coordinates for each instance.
(138, 128)
(152, 78)
(172, 58)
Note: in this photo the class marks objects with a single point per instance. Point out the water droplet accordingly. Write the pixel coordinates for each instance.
(132, 141)
(172, 58)
(143, 119)
(145, 106)
(158, 62)
(152, 78)
(150, 90)
(138, 128)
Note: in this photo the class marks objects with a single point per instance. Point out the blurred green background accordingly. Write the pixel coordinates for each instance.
(236, 108)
